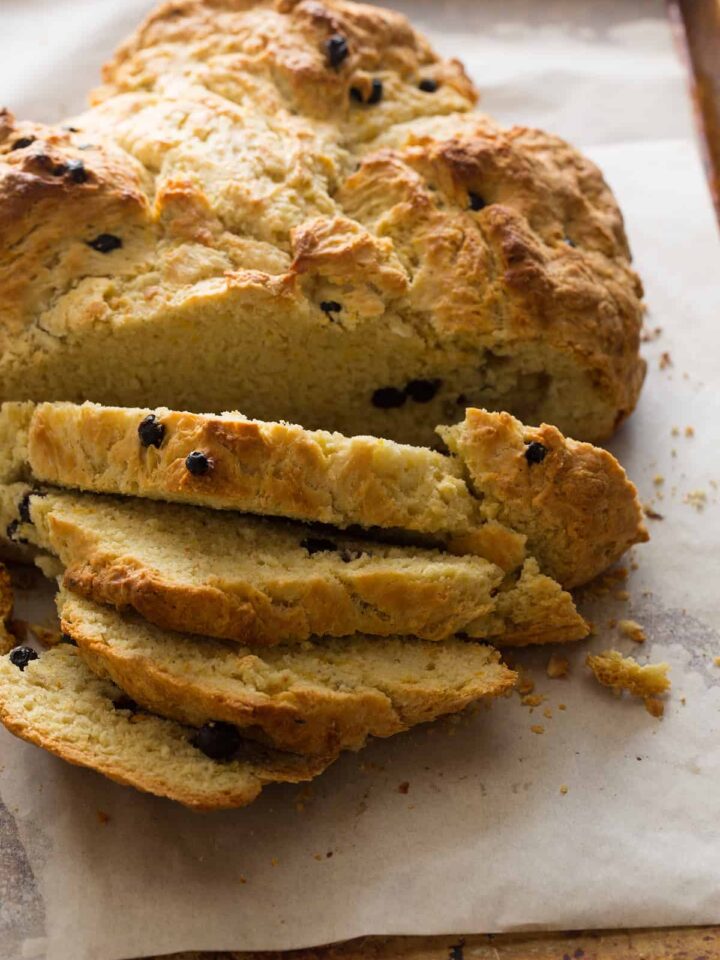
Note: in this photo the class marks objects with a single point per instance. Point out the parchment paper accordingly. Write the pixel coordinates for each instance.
(483, 840)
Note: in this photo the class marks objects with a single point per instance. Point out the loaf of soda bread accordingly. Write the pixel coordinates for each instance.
(291, 208)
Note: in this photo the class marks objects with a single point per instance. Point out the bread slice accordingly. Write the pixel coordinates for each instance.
(318, 698)
(573, 500)
(314, 227)
(262, 582)
(57, 703)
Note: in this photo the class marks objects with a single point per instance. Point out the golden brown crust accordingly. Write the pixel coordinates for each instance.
(576, 505)
(174, 676)
(249, 188)
(41, 704)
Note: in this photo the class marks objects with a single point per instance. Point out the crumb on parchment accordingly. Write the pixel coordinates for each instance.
(537, 728)
(696, 499)
(557, 666)
(563, 789)
(613, 670)
(632, 630)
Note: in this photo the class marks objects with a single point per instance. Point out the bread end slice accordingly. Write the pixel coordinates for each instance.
(58, 704)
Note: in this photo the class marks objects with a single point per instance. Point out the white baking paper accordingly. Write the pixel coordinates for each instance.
(483, 839)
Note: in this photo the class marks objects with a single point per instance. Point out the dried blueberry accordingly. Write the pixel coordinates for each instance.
(151, 431)
(386, 398)
(428, 85)
(476, 201)
(76, 170)
(422, 391)
(24, 508)
(22, 143)
(21, 656)
(217, 740)
(124, 702)
(198, 463)
(71, 129)
(11, 532)
(347, 556)
(569, 242)
(318, 545)
(535, 452)
(356, 94)
(105, 243)
(336, 49)
(330, 306)
(66, 638)
(376, 92)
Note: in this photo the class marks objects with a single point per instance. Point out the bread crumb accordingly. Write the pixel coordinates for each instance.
(689, 431)
(547, 713)
(632, 630)
(665, 360)
(612, 623)
(650, 333)
(561, 706)
(533, 700)
(620, 673)
(103, 818)
(557, 666)
(675, 432)
(317, 856)
(658, 480)
(696, 499)
(404, 787)
(654, 707)
(525, 685)
(537, 728)
(274, 862)
(651, 513)
(563, 789)
(716, 661)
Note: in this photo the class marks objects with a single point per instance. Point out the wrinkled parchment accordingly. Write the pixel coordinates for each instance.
(484, 839)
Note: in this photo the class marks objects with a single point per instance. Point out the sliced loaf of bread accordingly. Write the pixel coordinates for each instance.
(58, 703)
(317, 698)
(226, 461)
(263, 581)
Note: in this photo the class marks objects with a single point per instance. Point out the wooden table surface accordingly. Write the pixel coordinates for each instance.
(696, 25)
(682, 943)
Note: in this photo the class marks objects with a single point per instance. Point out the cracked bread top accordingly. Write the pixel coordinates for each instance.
(254, 185)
